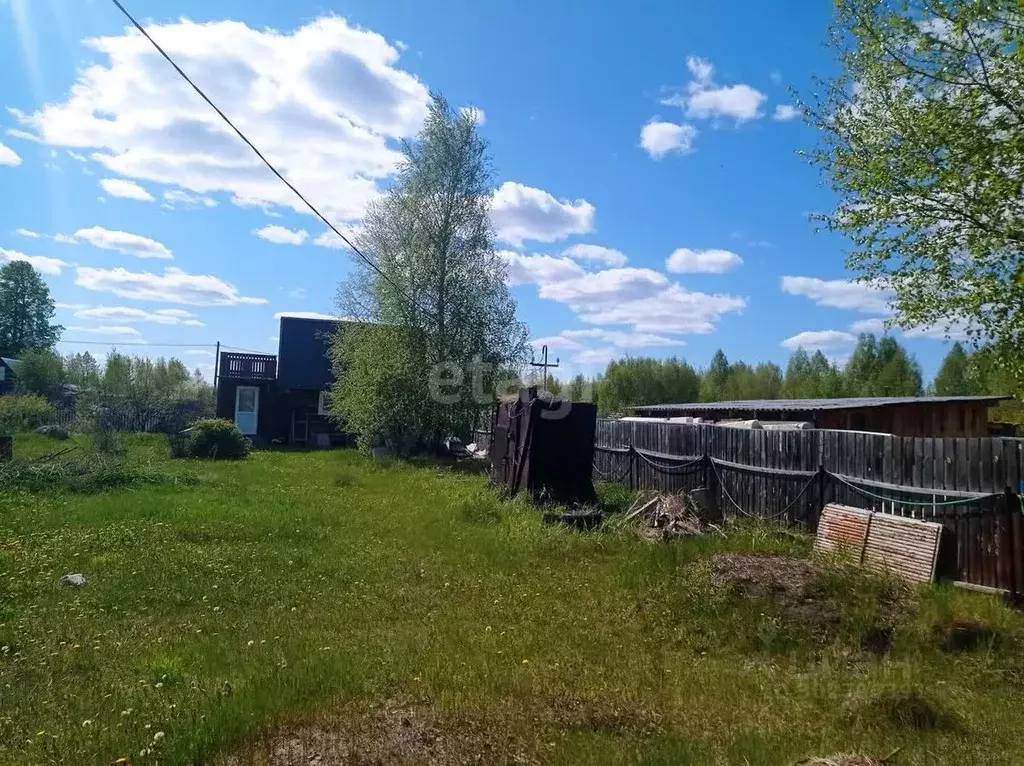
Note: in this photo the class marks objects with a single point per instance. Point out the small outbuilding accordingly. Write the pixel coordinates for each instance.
(937, 416)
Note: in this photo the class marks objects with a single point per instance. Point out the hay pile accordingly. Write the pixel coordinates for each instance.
(668, 517)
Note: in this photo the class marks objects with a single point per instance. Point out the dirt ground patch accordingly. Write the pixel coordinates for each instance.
(798, 587)
(785, 580)
(416, 733)
(390, 733)
(844, 760)
(758, 575)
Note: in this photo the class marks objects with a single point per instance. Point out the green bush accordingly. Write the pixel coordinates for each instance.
(211, 438)
(24, 412)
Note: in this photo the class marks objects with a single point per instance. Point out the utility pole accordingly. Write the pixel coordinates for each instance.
(216, 366)
(544, 364)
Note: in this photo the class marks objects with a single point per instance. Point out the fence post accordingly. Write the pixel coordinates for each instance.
(712, 482)
(822, 478)
(632, 463)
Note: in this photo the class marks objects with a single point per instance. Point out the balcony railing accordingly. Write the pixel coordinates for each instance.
(248, 366)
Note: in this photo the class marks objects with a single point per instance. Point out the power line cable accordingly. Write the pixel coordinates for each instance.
(267, 162)
(137, 343)
(245, 350)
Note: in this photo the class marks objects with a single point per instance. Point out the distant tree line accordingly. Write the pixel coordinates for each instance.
(162, 393)
(877, 367)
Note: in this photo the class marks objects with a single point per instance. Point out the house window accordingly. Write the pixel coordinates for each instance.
(322, 402)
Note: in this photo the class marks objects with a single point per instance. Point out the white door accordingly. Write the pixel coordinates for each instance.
(247, 409)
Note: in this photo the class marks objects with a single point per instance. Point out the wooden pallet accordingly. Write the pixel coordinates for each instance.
(880, 542)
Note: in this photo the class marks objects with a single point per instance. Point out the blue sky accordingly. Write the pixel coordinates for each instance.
(651, 199)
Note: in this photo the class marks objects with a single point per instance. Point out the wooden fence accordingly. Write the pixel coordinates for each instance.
(971, 485)
(122, 417)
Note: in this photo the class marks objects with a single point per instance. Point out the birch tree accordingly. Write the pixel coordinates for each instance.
(923, 141)
(438, 322)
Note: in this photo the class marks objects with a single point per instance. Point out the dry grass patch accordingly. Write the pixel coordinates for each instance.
(419, 732)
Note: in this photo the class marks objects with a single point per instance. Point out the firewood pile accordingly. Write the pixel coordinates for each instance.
(668, 517)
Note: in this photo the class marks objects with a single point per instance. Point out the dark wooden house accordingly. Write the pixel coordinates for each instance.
(7, 368)
(953, 416)
(283, 399)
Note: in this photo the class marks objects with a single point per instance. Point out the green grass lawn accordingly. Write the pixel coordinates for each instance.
(301, 591)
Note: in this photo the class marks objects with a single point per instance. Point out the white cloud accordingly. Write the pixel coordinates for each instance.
(659, 138)
(840, 294)
(704, 99)
(623, 339)
(701, 70)
(65, 239)
(603, 287)
(785, 112)
(476, 113)
(118, 187)
(875, 325)
(123, 242)
(77, 157)
(28, 233)
(598, 347)
(24, 135)
(686, 261)
(71, 306)
(741, 102)
(556, 343)
(304, 315)
(40, 263)
(539, 269)
(673, 309)
(130, 314)
(174, 197)
(200, 352)
(954, 329)
(333, 241)
(125, 332)
(604, 255)
(819, 340)
(643, 298)
(521, 212)
(281, 235)
(325, 102)
(173, 286)
(597, 356)
(8, 156)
